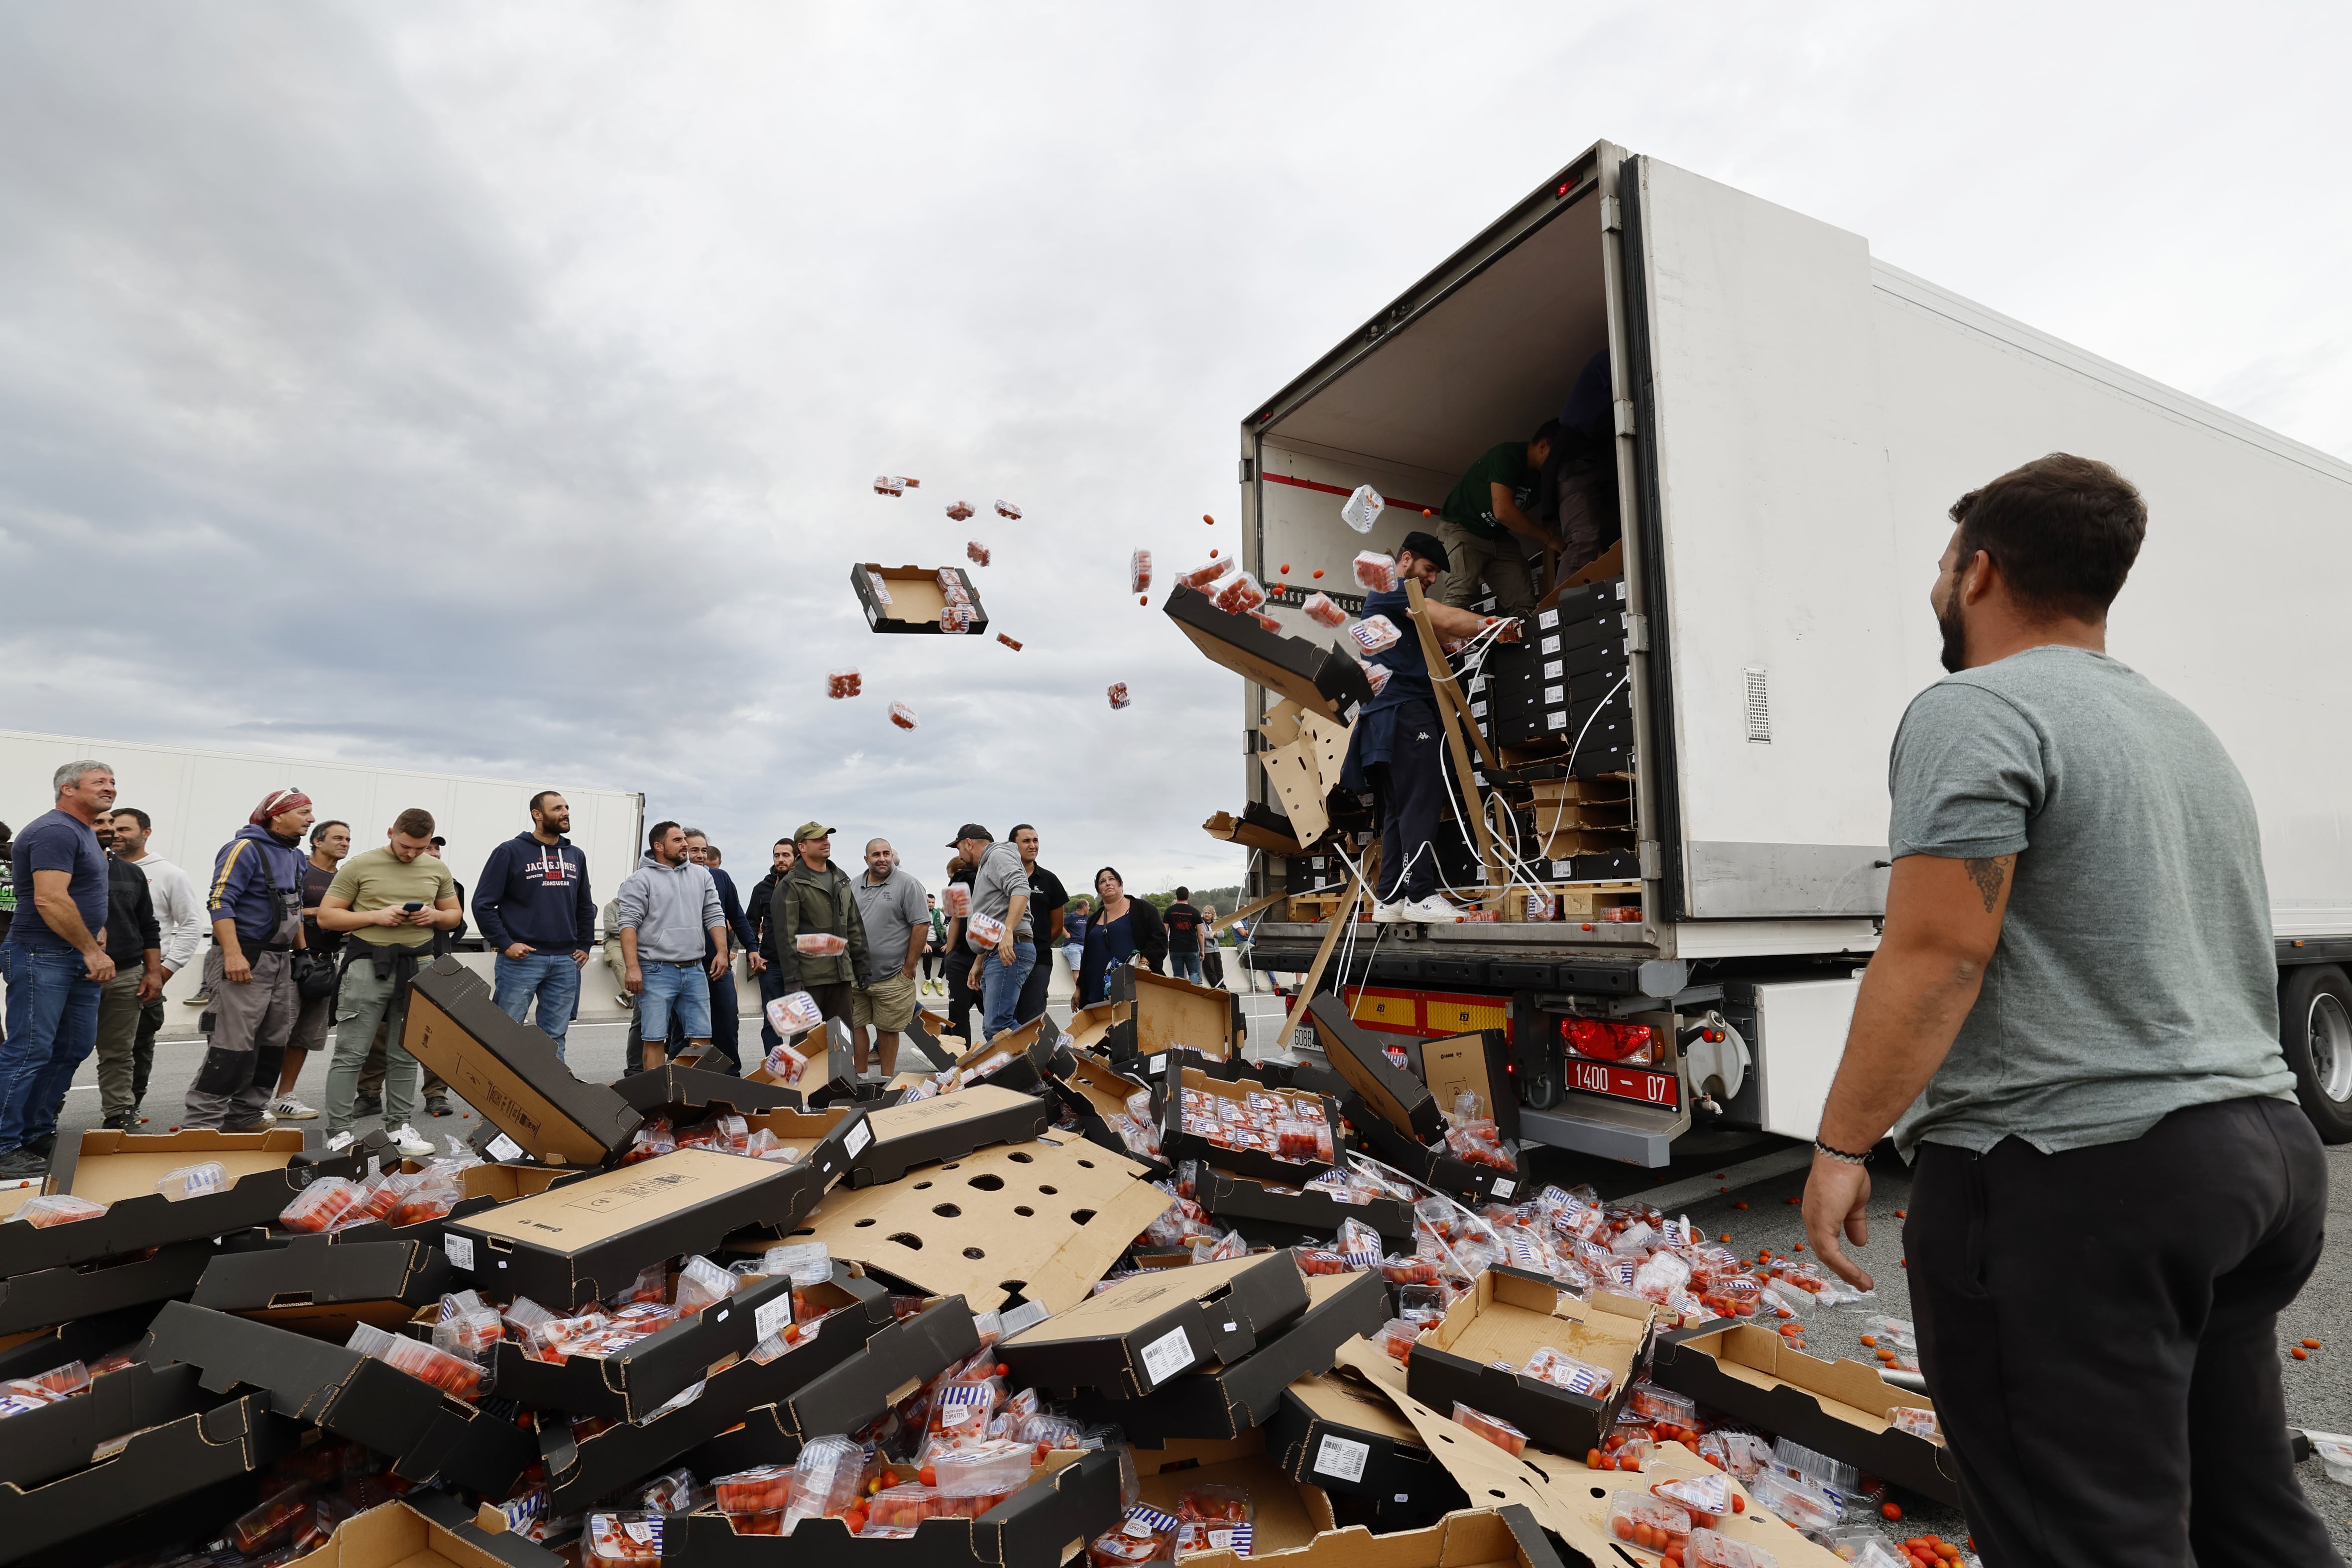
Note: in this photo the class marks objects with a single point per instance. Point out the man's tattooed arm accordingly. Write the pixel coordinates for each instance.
(1989, 875)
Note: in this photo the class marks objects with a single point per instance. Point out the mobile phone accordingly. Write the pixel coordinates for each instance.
(412, 908)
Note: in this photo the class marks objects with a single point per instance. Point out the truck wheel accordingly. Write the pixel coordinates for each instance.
(2316, 1029)
(1542, 1089)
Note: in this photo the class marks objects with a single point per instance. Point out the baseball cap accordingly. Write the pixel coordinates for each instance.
(1428, 547)
(810, 829)
(971, 831)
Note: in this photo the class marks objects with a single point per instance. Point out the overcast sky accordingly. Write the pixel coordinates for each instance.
(498, 388)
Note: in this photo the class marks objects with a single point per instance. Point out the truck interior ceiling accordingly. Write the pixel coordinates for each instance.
(1488, 362)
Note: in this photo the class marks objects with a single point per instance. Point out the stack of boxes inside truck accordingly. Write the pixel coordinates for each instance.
(1115, 1292)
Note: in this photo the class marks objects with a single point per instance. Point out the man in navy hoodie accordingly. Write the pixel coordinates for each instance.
(536, 913)
(255, 905)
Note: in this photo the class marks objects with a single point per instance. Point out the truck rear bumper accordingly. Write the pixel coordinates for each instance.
(1635, 1134)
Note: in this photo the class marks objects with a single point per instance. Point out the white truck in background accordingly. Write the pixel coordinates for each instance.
(199, 799)
(1793, 417)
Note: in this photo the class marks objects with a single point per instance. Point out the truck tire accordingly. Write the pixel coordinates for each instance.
(2316, 1031)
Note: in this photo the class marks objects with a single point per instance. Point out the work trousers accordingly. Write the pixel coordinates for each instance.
(1495, 562)
(251, 1024)
(1407, 790)
(371, 1075)
(122, 1063)
(362, 1001)
(2099, 1329)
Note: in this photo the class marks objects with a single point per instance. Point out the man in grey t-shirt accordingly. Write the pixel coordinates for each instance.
(896, 914)
(1000, 889)
(2071, 1026)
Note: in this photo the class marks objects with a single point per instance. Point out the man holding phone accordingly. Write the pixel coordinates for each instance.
(394, 905)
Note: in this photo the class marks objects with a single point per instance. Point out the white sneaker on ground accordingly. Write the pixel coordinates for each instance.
(286, 1108)
(1391, 913)
(1432, 911)
(411, 1142)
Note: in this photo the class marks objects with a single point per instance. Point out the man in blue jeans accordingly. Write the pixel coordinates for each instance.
(668, 906)
(538, 916)
(1000, 890)
(56, 965)
(1184, 924)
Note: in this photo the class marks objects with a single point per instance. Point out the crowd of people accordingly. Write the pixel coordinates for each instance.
(313, 948)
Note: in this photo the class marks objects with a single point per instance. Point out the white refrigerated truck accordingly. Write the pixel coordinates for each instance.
(1793, 417)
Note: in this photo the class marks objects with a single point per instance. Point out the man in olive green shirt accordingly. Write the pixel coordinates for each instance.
(1482, 514)
(395, 902)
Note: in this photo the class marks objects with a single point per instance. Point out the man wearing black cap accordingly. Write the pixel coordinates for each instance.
(1394, 752)
(999, 890)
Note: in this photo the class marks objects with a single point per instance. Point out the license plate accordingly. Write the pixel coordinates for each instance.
(1625, 1082)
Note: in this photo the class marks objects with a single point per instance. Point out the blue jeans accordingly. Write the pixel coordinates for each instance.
(1186, 967)
(1000, 988)
(52, 1027)
(553, 978)
(675, 994)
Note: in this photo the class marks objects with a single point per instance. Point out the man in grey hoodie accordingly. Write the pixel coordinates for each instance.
(667, 907)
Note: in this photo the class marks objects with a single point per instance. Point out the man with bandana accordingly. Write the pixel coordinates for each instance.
(255, 900)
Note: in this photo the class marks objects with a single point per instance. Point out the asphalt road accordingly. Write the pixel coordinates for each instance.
(2318, 1391)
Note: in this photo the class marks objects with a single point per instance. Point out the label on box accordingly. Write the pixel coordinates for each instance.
(1553, 669)
(1160, 1064)
(1343, 1457)
(1555, 694)
(1026, 1315)
(772, 1317)
(1556, 719)
(1504, 1186)
(505, 1148)
(1547, 619)
(460, 1249)
(1552, 644)
(1166, 1356)
(859, 1136)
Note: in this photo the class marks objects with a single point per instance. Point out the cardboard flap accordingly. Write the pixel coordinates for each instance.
(1140, 1333)
(1477, 1062)
(37, 1443)
(1045, 1218)
(1170, 1014)
(510, 1072)
(315, 1271)
(919, 1034)
(693, 1093)
(944, 1127)
(1361, 1060)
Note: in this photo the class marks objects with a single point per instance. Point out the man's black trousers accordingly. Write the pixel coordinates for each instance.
(1407, 790)
(2099, 1329)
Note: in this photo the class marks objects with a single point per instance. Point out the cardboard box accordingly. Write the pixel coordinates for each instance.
(1479, 1061)
(481, 1188)
(85, 1339)
(1474, 1185)
(1840, 1409)
(1048, 1521)
(1481, 1538)
(924, 1032)
(1140, 1333)
(120, 1169)
(1510, 1315)
(836, 1073)
(1041, 1220)
(1177, 1144)
(1322, 680)
(192, 1455)
(66, 1436)
(60, 1295)
(635, 1382)
(314, 1286)
(428, 1434)
(510, 1072)
(1288, 1514)
(1311, 1213)
(686, 1095)
(427, 1529)
(811, 1392)
(586, 1240)
(1361, 1060)
(946, 1127)
(1165, 1014)
(1244, 1393)
(914, 599)
(1339, 1434)
(1033, 1047)
(1563, 1496)
(1093, 1091)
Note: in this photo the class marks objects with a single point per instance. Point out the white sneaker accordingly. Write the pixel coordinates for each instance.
(286, 1108)
(1431, 911)
(1391, 913)
(411, 1142)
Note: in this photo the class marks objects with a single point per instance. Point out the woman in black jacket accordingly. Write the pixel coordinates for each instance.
(1121, 928)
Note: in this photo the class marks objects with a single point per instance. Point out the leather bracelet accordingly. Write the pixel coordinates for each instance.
(1840, 1155)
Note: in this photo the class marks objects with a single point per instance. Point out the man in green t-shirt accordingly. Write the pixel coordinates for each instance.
(393, 905)
(1481, 514)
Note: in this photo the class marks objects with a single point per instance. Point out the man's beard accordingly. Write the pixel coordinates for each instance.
(1956, 640)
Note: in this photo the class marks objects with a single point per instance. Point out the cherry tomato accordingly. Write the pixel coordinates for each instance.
(2300, 1354)
(1892, 1510)
(2311, 1345)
